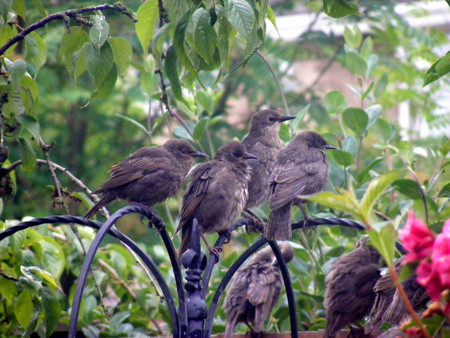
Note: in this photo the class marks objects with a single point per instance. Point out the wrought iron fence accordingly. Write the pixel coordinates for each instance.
(192, 317)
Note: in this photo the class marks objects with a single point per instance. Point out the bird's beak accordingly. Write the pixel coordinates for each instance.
(249, 156)
(329, 146)
(283, 118)
(199, 154)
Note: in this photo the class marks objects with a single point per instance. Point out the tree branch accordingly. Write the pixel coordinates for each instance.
(71, 13)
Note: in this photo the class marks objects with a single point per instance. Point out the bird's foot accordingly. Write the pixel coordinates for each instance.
(256, 224)
(216, 251)
(227, 234)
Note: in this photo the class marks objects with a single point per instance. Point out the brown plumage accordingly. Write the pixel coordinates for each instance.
(217, 193)
(301, 169)
(149, 176)
(349, 294)
(388, 306)
(255, 290)
(263, 141)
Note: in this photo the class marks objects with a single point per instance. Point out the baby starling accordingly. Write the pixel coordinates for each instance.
(263, 141)
(217, 193)
(349, 294)
(388, 306)
(301, 169)
(255, 290)
(149, 176)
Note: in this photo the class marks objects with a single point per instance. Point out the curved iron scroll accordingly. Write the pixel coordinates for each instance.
(183, 325)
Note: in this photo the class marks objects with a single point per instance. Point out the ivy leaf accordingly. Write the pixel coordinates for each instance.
(376, 188)
(335, 102)
(356, 120)
(147, 16)
(27, 155)
(52, 310)
(24, 309)
(122, 53)
(99, 32)
(204, 35)
(241, 16)
(36, 50)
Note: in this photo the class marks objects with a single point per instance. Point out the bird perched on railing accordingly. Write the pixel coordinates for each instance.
(216, 194)
(349, 294)
(255, 290)
(301, 169)
(263, 141)
(149, 176)
(388, 306)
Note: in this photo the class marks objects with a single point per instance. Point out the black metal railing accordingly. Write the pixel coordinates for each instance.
(192, 318)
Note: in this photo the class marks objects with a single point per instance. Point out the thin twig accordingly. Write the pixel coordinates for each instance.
(117, 277)
(71, 13)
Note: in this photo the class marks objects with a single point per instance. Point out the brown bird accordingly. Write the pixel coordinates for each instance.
(217, 193)
(349, 294)
(301, 169)
(388, 306)
(255, 290)
(263, 141)
(149, 176)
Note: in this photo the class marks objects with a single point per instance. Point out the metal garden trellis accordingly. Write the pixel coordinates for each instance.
(188, 320)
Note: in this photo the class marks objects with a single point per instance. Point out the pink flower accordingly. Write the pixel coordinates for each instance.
(441, 255)
(427, 277)
(417, 238)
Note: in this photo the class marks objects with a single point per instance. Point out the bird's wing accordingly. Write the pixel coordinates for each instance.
(200, 179)
(143, 162)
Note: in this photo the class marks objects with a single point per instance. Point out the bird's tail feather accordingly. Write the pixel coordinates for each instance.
(279, 224)
(97, 206)
(186, 232)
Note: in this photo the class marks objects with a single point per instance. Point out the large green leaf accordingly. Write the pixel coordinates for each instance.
(381, 85)
(340, 8)
(17, 70)
(100, 31)
(30, 124)
(366, 48)
(346, 201)
(36, 50)
(24, 309)
(8, 289)
(353, 37)
(384, 241)
(384, 130)
(376, 189)
(204, 35)
(147, 15)
(106, 87)
(335, 102)
(356, 64)
(99, 62)
(7, 32)
(409, 188)
(341, 157)
(122, 53)
(437, 69)
(70, 44)
(241, 16)
(200, 128)
(374, 113)
(27, 155)
(356, 119)
(52, 310)
(171, 71)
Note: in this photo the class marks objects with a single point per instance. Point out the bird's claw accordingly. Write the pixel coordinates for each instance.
(216, 252)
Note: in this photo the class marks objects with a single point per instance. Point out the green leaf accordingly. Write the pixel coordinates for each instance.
(147, 16)
(241, 16)
(200, 128)
(340, 8)
(204, 35)
(366, 48)
(52, 310)
(70, 44)
(27, 155)
(271, 17)
(17, 69)
(374, 113)
(384, 241)
(5, 7)
(376, 189)
(99, 62)
(79, 61)
(346, 201)
(30, 124)
(134, 122)
(341, 157)
(353, 38)
(205, 100)
(437, 69)
(381, 85)
(335, 102)
(106, 87)
(7, 32)
(28, 83)
(8, 289)
(53, 260)
(36, 50)
(299, 117)
(122, 53)
(372, 63)
(368, 90)
(363, 174)
(99, 32)
(384, 130)
(356, 64)
(445, 191)
(171, 71)
(24, 309)
(356, 120)
(350, 144)
(149, 83)
(19, 8)
(409, 188)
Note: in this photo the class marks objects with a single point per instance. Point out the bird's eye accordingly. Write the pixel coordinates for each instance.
(271, 119)
(237, 154)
